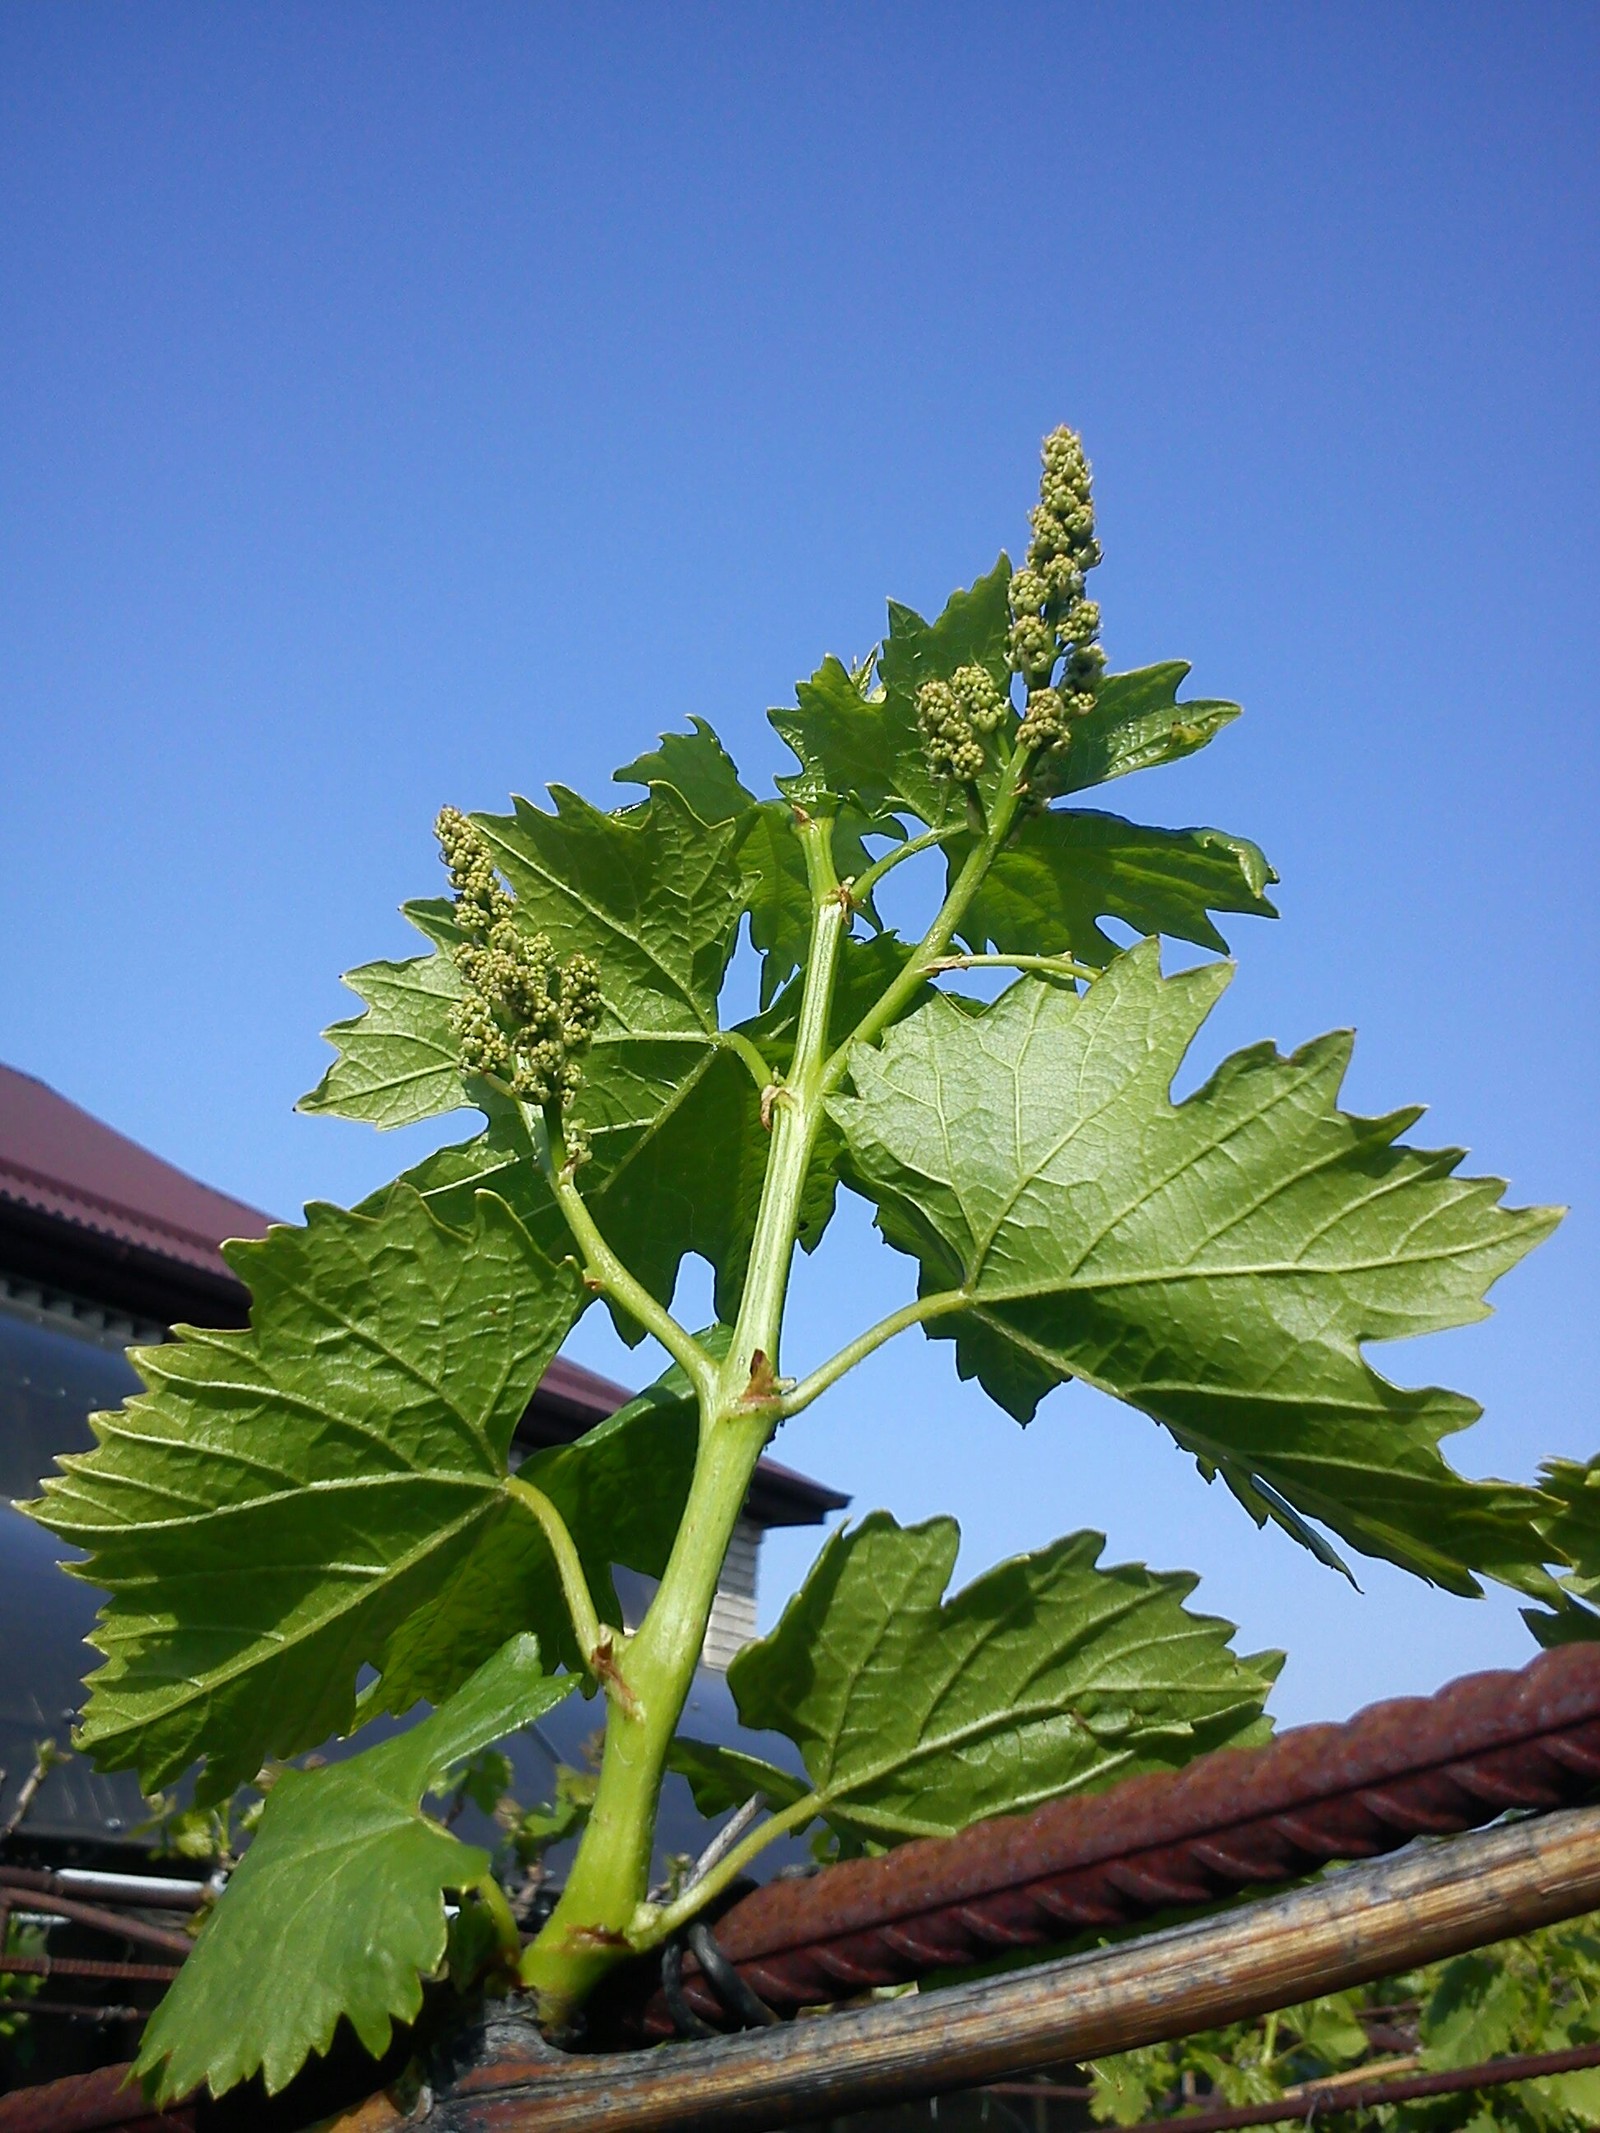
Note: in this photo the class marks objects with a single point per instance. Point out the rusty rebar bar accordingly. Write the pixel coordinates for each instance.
(1226, 1822)
(177, 1945)
(75, 2010)
(89, 1967)
(1419, 1766)
(90, 2103)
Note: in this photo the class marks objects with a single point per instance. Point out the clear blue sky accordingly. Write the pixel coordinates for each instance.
(408, 403)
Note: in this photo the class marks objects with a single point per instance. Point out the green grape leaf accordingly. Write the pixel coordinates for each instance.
(1065, 870)
(845, 742)
(663, 1180)
(398, 1062)
(279, 1502)
(723, 1778)
(688, 1179)
(1474, 2013)
(337, 1908)
(621, 1488)
(868, 750)
(916, 1715)
(972, 630)
(1137, 724)
(654, 895)
(777, 894)
(651, 893)
(1217, 1263)
(698, 768)
(1569, 1519)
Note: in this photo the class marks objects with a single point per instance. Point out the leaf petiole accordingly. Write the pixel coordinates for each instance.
(733, 1040)
(1050, 966)
(586, 1622)
(606, 1272)
(829, 1373)
(864, 884)
(663, 1923)
(493, 1898)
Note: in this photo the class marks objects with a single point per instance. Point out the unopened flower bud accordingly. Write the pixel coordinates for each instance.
(980, 696)
(1028, 592)
(580, 1002)
(482, 1043)
(949, 739)
(523, 1017)
(1044, 723)
(480, 899)
(1032, 645)
(1049, 538)
(1064, 579)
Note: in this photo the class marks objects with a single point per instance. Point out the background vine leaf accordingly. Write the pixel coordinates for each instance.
(399, 1061)
(698, 768)
(620, 1487)
(777, 895)
(1137, 724)
(1217, 1263)
(337, 1908)
(1066, 869)
(916, 1715)
(1569, 1518)
(868, 750)
(278, 1503)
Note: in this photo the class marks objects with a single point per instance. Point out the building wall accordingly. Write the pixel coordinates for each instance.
(733, 1612)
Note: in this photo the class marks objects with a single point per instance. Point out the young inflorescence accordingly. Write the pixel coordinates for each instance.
(1051, 621)
(955, 716)
(1050, 618)
(524, 1018)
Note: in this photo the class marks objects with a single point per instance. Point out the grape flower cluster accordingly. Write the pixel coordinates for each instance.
(1050, 617)
(954, 716)
(1051, 621)
(524, 1016)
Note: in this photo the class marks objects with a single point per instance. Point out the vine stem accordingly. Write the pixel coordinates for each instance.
(864, 884)
(795, 1121)
(603, 1912)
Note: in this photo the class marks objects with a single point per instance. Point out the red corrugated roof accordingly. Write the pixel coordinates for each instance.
(58, 1160)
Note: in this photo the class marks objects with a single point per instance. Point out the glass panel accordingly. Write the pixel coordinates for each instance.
(51, 1380)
